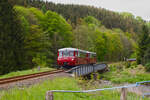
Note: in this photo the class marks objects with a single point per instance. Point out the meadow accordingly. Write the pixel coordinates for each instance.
(125, 73)
(38, 91)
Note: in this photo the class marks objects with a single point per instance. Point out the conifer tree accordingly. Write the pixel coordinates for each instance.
(43, 9)
(11, 39)
(143, 45)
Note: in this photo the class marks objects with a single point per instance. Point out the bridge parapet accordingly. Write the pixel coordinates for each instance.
(83, 70)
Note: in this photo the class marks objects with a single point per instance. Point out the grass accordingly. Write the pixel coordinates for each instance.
(120, 74)
(37, 92)
(25, 72)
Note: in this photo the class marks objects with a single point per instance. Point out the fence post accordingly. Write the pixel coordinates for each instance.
(49, 95)
(123, 94)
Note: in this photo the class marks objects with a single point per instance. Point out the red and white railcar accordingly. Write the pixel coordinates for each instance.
(70, 57)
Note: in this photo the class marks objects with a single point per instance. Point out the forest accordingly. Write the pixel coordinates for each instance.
(31, 32)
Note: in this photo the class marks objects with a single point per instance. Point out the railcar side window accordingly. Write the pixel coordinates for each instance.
(92, 55)
(71, 53)
(82, 54)
(76, 54)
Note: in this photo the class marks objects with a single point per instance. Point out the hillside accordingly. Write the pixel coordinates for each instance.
(125, 21)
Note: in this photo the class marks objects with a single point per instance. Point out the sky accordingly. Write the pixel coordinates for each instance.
(136, 7)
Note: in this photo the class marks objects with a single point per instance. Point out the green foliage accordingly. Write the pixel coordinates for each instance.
(100, 46)
(131, 74)
(44, 9)
(110, 45)
(90, 20)
(125, 21)
(37, 43)
(58, 30)
(147, 66)
(146, 57)
(37, 13)
(36, 40)
(37, 92)
(84, 38)
(40, 60)
(12, 51)
(25, 24)
(144, 47)
(127, 15)
(134, 55)
(27, 14)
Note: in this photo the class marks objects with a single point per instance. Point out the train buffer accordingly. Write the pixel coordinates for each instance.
(84, 70)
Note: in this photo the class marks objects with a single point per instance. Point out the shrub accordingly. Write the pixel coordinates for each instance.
(147, 66)
(127, 64)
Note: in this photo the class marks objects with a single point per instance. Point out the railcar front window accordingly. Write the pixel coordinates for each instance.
(65, 54)
(60, 54)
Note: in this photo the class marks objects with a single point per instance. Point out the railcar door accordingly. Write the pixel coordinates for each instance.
(87, 58)
(76, 57)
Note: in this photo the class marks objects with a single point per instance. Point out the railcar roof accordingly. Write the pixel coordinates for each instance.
(75, 49)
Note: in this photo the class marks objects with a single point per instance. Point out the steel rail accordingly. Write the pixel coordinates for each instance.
(29, 76)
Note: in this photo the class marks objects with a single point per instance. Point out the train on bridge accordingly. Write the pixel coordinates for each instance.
(71, 57)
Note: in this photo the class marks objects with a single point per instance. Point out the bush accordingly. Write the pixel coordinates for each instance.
(127, 64)
(133, 64)
(147, 66)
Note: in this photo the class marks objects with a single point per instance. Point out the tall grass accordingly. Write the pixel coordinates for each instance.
(37, 92)
(118, 73)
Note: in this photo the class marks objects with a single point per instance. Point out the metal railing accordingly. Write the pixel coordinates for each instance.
(123, 96)
(87, 69)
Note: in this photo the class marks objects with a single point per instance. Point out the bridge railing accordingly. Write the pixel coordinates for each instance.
(87, 69)
(122, 96)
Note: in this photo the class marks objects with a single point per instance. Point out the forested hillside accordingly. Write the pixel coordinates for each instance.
(125, 21)
(31, 32)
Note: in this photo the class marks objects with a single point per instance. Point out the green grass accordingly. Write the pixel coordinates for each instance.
(119, 74)
(25, 72)
(37, 92)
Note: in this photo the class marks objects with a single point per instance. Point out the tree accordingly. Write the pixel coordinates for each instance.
(125, 21)
(11, 39)
(83, 38)
(100, 46)
(143, 45)
(90, 20)
(43, 9)
(58, 30)
(37, 46)
(37, 43)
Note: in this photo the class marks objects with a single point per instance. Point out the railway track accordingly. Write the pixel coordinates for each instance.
(79, 71)
(29, 76)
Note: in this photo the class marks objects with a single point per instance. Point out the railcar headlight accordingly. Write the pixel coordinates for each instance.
(72, 59)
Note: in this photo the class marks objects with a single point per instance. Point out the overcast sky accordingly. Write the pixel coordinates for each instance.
(136, 7)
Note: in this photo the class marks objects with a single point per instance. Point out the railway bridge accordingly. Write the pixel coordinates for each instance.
(84, 70)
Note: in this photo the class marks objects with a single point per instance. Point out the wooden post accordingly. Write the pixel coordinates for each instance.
(123, 94)
(49, 95)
